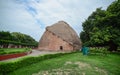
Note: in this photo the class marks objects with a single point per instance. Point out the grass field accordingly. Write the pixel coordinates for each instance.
(12, 50)
(74, 64)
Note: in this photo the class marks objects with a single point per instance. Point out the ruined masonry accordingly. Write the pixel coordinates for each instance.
(59, 37)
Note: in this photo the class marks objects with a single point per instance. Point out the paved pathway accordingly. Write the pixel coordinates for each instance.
(37, 53)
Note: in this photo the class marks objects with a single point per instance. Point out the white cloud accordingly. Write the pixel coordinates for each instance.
(32, 16)
(14, 17)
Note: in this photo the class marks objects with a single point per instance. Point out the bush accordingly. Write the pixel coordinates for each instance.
(2, 52)
(27, 49)
(7, 67)
(5, 51)
(99, 50)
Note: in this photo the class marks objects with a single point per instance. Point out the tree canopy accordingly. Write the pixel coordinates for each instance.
(16, 38)
(102, 27)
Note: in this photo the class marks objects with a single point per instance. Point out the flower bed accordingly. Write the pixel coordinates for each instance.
(9, 56)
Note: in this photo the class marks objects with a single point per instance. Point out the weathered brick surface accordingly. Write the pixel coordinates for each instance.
(53, 43)
(59, 36)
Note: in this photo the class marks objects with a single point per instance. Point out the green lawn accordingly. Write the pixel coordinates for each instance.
(12, 50)
(74, 64)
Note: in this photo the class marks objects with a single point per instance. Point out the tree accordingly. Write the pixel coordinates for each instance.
(90, 26)
(113, 19)
(23, 38)
(102, 27)
(17, 38)
(5, 35)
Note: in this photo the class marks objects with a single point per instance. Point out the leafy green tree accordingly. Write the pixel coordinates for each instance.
(90, 27)
(102, 27)
(113, 19)
(17, 38)
(23, 38)
(5, 35)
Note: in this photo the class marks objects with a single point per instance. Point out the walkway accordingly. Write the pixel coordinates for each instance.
(37, 53)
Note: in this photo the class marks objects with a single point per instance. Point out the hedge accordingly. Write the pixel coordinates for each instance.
(10, 66)
(99, 51)
(2, 42)
(4, 51)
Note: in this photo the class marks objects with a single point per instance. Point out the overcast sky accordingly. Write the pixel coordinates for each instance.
(32, 16)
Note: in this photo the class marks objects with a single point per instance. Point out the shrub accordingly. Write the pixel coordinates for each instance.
(2, 52)
(27, 49)
(99, 50)
(7, 67)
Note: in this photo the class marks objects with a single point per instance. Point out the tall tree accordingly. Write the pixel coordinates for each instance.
(103, 26)
(113, 19)
(90, 27)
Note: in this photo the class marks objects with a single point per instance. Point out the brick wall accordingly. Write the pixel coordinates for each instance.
(54, 43)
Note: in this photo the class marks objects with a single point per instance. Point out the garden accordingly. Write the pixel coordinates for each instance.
(4, 51)
(100, 33)
(74, 63)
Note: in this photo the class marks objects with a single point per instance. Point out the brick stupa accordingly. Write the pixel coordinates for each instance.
(59, 37)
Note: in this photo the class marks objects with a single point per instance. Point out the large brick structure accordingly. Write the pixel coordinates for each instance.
(59, 37)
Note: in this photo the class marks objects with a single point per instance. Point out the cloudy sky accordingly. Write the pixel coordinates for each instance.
(32, 16)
